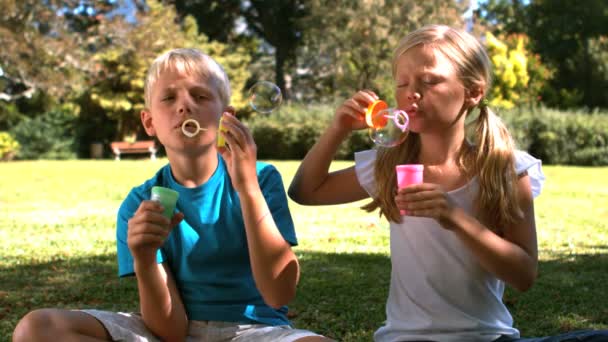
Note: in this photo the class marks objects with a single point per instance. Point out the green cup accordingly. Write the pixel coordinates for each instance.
(167, 197)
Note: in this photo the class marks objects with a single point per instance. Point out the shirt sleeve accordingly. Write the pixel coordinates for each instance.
(525, 162)
(126, 211)
(364, 168)
(273, 190)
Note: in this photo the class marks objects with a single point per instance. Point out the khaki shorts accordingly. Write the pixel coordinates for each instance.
(131, 327)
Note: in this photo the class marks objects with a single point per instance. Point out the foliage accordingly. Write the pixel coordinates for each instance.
(130, 49)
(352, 48)
(58, 250)
(291, 132)
(8, 146)
(279, 23)
(570, 39)
(51, 58)
(518, 75)
(558, 137)
(48, 136)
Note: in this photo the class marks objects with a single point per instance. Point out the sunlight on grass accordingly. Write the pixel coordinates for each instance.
(57, 243)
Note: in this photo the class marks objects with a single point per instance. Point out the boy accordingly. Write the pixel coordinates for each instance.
(222, 267)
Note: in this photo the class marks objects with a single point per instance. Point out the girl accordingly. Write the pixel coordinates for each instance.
(469, 227)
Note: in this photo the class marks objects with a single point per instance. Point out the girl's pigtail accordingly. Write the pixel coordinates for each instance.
(495, 167)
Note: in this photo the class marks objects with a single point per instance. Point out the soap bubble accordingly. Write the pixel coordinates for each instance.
(264, 97)
(389, 127)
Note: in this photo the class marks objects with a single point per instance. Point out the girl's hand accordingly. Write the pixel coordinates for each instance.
(147, 231)
(240, 154)
(426, 200)
(350, 115)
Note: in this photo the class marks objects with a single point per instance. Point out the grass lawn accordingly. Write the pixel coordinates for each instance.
(57, 230)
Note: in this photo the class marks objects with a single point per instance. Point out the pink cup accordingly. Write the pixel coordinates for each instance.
(408, 174)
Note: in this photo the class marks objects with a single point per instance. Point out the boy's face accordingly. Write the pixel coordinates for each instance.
(178, 97)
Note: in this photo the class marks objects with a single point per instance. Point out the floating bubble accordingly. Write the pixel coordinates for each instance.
(388, 127)
(191, 127)
(264, 97)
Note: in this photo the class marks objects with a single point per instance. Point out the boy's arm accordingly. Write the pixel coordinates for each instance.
(139, 239)
(274, 265)
(161, 305)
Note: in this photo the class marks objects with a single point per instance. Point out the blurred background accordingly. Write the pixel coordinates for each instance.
(72, 72)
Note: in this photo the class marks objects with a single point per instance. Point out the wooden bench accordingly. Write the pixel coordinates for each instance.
(124, 147)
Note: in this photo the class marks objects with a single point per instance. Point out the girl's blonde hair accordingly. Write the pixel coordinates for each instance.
(188, 62)
(490, 156)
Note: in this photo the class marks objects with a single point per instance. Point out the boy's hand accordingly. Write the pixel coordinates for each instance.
(147, 231)
(426, 200)
(240, 154)
(351, 114)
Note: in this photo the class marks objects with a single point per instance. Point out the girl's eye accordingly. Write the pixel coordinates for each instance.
(402, 85)
(167, 98)
(430, 80)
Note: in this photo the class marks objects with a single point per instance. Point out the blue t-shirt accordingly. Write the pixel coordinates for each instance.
(207, 252)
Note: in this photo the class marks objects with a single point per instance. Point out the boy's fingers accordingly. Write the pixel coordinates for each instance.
(176, 219)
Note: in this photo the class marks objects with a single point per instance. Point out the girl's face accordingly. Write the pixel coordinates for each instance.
(429, 90)
(175, 98)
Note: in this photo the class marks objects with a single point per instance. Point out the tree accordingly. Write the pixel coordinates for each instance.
(352, 48)
(569, 38)
(215, 18)
(518, 74)
(278, 23)
(41, 50)
(128, 51)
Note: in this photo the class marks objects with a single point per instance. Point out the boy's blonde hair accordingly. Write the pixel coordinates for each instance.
(490, 154)
(188, 62)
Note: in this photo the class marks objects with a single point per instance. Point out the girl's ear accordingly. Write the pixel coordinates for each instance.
(474, 96)
(146, 120)
(230, 110)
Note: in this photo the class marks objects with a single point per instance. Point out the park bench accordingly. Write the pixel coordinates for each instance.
(124, 147)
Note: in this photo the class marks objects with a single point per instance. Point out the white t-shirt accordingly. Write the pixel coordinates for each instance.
(438, 290)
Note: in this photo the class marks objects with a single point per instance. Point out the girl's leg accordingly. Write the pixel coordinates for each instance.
(59, 325)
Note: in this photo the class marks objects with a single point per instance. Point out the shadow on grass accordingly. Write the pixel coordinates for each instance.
(340, 295)
(570, 293)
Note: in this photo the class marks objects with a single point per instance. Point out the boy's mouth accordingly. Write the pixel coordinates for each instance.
(191, 127)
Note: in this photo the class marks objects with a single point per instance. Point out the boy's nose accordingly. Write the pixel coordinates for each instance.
(184, 109)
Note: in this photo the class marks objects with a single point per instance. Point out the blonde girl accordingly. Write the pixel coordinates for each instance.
(470, 226)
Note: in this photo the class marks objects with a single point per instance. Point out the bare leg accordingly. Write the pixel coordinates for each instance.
(59, 325)
(314, 339)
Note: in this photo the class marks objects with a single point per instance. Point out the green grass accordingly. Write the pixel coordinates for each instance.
(57, 249)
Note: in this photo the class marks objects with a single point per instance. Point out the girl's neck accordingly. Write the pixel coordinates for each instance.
(440, 149)
(193, 171)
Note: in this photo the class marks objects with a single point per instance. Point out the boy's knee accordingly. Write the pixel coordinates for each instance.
(31, 324)
(36, 326)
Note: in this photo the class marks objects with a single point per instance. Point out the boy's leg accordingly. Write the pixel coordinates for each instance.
(314, 339)
(59, 325)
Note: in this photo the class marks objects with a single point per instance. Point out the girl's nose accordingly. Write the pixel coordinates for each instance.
(184, 109)
(415, 96)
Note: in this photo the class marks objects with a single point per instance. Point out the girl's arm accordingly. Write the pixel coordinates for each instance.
(312, 183)
(512, 257)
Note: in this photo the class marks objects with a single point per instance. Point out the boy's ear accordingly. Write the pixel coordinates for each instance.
(146, 120)
(474, 95)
